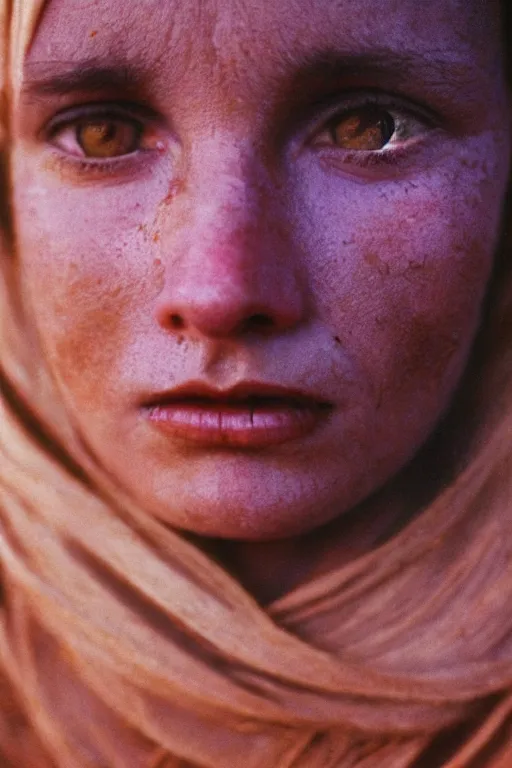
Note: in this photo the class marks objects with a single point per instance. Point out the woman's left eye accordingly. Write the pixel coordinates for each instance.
(369, 128)
(99, 137)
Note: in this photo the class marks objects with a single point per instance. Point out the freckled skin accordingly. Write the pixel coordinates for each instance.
(372, 280)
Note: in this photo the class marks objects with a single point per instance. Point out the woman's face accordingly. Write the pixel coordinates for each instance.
(305, 195)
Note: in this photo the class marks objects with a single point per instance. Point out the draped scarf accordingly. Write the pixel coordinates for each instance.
(122, 645)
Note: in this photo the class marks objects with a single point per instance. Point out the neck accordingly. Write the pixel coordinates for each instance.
(271, 569)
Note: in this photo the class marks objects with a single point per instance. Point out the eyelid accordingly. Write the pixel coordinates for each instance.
(394, 159)
(112, 110)
(359, 98)
(395, 152)
(145, 122)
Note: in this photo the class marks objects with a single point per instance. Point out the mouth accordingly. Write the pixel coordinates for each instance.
(249, 415)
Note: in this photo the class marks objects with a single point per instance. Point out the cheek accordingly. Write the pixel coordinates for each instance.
(90, 281)
(400, 275)
(426, 280)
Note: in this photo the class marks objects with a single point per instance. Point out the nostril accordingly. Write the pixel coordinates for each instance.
(258, 322)
(176, 322)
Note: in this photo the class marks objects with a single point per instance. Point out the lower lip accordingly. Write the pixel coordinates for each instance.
(237, 426)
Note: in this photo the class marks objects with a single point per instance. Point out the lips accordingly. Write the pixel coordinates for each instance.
(249, 415)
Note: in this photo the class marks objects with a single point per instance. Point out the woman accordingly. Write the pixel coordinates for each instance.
(255, 457)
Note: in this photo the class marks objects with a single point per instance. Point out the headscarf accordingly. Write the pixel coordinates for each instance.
(122, 645)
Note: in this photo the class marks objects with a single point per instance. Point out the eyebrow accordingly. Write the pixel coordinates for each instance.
(321, 72)
(60, 78)
(54, 77)
(395, 66)
(449, 87)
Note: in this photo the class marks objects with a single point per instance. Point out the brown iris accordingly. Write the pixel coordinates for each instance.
(107, 138)
(366, 130)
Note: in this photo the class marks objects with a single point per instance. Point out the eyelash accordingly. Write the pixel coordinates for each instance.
(394, 156)
(362, 158)
(89, 165)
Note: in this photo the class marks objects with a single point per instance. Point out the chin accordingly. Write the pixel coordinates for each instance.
(252, 518)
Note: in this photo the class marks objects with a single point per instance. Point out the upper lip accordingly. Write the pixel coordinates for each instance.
(240, 392)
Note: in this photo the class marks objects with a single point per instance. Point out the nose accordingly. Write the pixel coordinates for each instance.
(231, 269)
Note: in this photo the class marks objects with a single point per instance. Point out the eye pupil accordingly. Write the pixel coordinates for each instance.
(107, 138)
(367, 129)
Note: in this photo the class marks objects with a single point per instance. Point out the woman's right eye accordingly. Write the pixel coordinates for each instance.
(99, 138)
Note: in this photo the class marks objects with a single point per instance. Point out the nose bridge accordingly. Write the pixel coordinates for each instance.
(230, 229)
(226, 201)
(229, 185)
(230, 266)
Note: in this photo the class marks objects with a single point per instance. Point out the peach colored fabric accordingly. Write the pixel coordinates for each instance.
(122, 645)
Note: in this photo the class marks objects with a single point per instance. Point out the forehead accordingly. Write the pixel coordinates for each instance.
(265, 33)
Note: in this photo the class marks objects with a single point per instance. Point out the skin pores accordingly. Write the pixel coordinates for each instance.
(366, 267)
